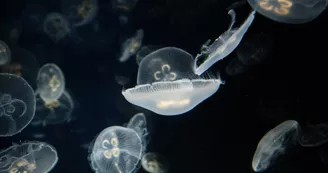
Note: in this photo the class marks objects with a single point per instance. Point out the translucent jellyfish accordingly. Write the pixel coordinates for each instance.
(80, 12)
(17, 104)
(167, 85)
(235, 67)
(274, 143)
(223, 45)
(5, 53)
(116, 150)
(139, 124)
(289, 11)
(314, 136)
(145, 50)
(50, 82)
(124, 5)
(54, 112)
(38, 157)
(154, 163)
(121, 80)
(131, 46)
(56, 26)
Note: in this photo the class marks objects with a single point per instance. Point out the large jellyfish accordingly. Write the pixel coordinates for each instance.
(167, 85)
(116, 150)
(274, 143)
(38, 157)
(314, 136)
(131, 46)
(145, 50)
(223, 45)
(154, 163)
(50, 82)
(80, 12)
(289, 11)
(5, 53)
(17, 104)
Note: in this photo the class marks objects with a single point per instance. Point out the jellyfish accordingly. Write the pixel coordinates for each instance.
(167, 85)
(131, 46)
(235, 67)
(28, 157)
(124, 5)
(116, 150)
(274, 143)
(314, 136)
(154, 163)
(33, 16)
(56, 26)
(144, 51)
(289, 11)
(139, 124)
(121, 80)
(54, 112)
(223, 45)
(50, 82)
(11, 30)
(80, 12)
(23, 63)
(17, 104)
(5, 53)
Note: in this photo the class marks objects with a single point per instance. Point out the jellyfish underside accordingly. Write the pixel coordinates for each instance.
(223, 45)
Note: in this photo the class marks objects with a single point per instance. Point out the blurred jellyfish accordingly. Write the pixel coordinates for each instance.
(139, 124)
(17, 104)
(23, 63)
(56, 26)
(10, 31)
(145, 50)
(5, 53)
(116, 150)
(121, 80)
(235, 67)
(223, 45)
(131, 46)
(289, 11)
(123, 5)
(50, 82)
(274, 143)
(38, 157)
(167, 85)
(154, 163)
(54, 112)
(314, 136)
(33, 16)
(80, 12)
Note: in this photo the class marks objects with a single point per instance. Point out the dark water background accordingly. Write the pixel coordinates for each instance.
(219, 135)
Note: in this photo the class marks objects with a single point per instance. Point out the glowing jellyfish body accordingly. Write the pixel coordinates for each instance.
(223, 45)
(131, 46)
(154, 163)
(80, 12)
(274, 143)
(289, 11)
(116, 150)
(17, 104)
(144, 51)
(38, 157)
(50, 82)
(54, 112)
(139, 124)
(56, 26)
(167, 84)
(314, 136)
(5, 53)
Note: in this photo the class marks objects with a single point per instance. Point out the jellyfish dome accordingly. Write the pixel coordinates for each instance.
(116, 150)
(36, 157)
(167, 85)
(139, 123)
(154, 163)
(17, 104)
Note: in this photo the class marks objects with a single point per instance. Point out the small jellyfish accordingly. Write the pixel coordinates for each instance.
(5, 53)
(167, 85)
(123, 5)
(80, 12)
(131, 46)
(121, 80)
(56, 26)
(274, 143)
(54, 112)
(116, 150)
(50, 82)
(145, 50)
(235, 67)
(17, 104)
(28, 157)
(154, 163)
(223, 45)
(139, 124)
(314, 136)
(289, 11)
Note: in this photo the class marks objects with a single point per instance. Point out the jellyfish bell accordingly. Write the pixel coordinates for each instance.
(289, 11)
(154, 163)
(223, 45)
(167, 85)
(5, 53)
(17, 104)
(131, 46)
(139, 123)
(145, 50)
(56, 26)
(80, 12)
